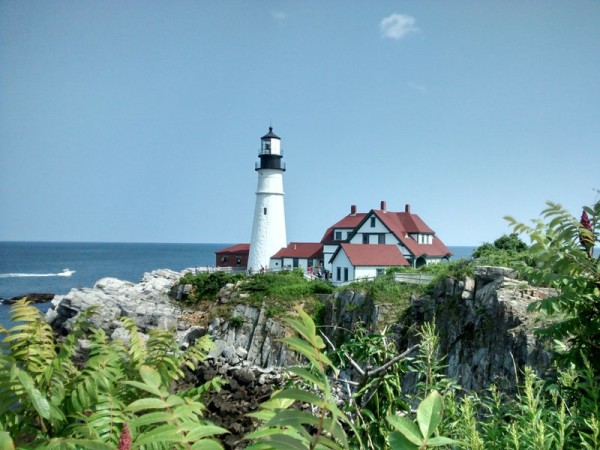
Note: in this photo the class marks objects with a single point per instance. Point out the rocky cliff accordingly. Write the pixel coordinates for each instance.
(483, 325)
(484, 328)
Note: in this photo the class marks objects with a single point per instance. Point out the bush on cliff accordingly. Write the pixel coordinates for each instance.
(506, 251)
(285, 285)
(206, 286)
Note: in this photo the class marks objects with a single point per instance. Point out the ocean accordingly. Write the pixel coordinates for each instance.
(57, 267)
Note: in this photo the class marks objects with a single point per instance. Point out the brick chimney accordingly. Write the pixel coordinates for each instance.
(383, 206)
(407, 208)
(352, 210)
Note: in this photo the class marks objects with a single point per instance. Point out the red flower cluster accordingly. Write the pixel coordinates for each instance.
(125, 439)
(586, 240)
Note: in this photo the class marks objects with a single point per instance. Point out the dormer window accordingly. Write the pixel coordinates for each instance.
(338, 235)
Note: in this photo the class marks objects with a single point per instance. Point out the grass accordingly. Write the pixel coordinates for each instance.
(277, 292)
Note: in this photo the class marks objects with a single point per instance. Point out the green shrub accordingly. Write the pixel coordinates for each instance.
(236, 322)
(506, 251)
(205, 286)
(458, 270)
(321, 287)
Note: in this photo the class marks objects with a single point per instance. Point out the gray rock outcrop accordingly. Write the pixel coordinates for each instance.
(146, 302)
(483, 323)
(485, 329)
(249, 336)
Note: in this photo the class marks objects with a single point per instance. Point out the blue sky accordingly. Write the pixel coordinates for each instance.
(140, 121)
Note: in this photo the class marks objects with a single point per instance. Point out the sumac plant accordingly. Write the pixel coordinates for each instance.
(118, 397)
(563, 252)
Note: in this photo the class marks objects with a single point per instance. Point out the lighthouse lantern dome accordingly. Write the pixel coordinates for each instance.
(270, 153)
(270, 144)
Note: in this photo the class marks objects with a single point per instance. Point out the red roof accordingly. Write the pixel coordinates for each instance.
(238, 249)
(348, 222)
(373, 254)
(402, 223)
(309, 250)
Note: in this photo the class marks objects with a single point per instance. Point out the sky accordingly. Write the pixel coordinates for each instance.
(140, 121)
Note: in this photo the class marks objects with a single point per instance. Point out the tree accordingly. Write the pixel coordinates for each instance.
(563, 254)
(510, 242)
(508, 250)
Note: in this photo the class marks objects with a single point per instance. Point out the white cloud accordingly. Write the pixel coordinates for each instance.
(397, 26)
(418, 87)
(279, 16)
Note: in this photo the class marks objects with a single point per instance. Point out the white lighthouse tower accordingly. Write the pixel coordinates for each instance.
(268, 228)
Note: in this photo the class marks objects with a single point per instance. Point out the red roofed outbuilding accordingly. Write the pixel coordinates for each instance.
(304, 255)
(235, 256)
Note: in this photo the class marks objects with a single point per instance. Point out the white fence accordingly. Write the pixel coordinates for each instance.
(408, 278)
(413, 278)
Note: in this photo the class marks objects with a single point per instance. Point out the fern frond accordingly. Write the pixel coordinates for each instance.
(137, 344)
(163, 354)
(103, 422)
(196, 354)
(31, 341)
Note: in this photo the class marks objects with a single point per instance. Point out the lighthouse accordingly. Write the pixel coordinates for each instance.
(268, 227)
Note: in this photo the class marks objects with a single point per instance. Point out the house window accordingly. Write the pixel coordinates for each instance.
(338, 235)
(295, 263)
(365, 238)
(224, 259)
(380, 272)
(338, 273)
(345, 274)
(348, 235)
(265, 211)
(238, 260)
(381, 238)
(372, 222)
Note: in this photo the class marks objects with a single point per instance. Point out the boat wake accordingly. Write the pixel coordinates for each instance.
(64, 273)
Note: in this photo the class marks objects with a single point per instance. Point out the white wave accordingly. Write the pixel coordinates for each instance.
(64, 273)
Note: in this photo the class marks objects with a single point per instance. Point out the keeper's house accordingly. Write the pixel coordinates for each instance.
(363, 245)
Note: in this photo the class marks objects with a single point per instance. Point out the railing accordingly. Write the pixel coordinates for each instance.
(275, 164)
(407, 278)
(210, 269)
(413, 278)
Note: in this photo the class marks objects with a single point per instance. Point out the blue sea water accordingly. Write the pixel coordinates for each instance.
(40, 267)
